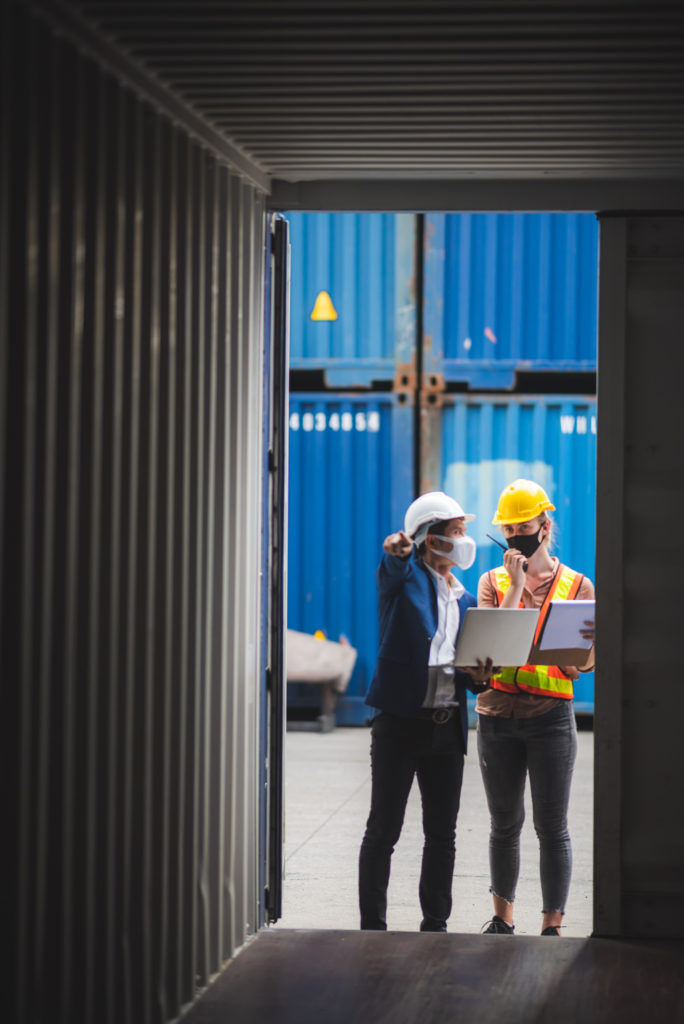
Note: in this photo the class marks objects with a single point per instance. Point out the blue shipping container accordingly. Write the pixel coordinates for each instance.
(488, 441)
(366, 264)
(507, 292)
(350, 481)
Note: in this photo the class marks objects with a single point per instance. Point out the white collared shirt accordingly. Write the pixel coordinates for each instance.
(441, 684)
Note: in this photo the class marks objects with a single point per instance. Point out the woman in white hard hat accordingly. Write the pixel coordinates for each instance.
(421, 725)
(526, 722)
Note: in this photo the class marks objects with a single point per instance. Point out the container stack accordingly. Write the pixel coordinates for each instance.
(487, 375)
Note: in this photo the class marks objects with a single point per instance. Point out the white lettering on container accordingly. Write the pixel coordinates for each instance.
(359, 421)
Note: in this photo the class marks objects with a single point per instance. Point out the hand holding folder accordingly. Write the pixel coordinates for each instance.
(560, 640)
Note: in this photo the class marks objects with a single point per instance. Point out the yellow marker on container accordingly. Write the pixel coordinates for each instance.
(323, 308)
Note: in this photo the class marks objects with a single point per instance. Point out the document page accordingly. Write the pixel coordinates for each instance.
(563, 623)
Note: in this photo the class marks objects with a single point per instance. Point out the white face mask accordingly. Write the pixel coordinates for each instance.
(461, 551)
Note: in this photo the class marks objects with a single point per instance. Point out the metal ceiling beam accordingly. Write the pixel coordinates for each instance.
(499, 194)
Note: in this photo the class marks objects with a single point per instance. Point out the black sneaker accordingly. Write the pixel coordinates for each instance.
(497, 926)
(553, 929)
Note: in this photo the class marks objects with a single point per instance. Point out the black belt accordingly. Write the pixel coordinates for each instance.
(438, 715)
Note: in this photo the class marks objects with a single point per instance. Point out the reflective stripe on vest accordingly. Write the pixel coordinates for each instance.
(544, 680)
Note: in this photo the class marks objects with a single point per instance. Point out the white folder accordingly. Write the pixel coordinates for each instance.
(560, 641)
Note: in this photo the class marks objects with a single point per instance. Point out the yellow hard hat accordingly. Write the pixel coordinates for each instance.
(521, 501)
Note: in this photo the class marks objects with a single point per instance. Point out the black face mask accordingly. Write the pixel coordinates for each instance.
(526, 543)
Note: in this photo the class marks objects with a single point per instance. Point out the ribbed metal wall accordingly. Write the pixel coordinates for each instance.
(490, 440)
(507, 292)
(653, 602)
(366, 264)
(351, 479)
(131, 426)
(350, 88)
(639, 849)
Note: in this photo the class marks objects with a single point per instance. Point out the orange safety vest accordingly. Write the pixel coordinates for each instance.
(544, 680)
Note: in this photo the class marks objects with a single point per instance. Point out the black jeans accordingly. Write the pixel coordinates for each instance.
(402, 748)
(544, 747)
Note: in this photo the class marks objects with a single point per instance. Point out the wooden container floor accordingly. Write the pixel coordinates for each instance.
(331, 977)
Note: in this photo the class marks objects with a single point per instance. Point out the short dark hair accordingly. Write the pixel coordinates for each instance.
(437, 527)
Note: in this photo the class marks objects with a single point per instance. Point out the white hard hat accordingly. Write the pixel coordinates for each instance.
(430, 508)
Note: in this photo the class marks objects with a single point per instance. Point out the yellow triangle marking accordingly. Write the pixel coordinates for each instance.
(323, 308)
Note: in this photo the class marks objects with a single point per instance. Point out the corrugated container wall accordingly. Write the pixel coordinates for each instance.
(131, 422)
(365, 263)
(639, 845)
(350, 482)
(489, 441)
(507, 292)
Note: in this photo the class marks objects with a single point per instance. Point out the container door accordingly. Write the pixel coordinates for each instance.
(365, 264)
(275, 562)
(351, 478)
(507, 294)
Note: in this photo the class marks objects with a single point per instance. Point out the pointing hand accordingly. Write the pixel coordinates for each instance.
(398, 544)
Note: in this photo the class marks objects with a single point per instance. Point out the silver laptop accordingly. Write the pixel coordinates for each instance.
(503, 634)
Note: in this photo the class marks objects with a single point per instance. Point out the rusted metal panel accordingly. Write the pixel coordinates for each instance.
(405, 377)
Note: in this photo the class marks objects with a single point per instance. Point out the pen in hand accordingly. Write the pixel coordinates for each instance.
(503, 547)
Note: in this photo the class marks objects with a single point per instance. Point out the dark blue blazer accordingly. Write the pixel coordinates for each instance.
(407, 610)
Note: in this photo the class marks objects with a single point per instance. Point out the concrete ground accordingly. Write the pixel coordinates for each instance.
(327, 797)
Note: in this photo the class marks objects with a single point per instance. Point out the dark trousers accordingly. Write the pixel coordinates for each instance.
(402, 748)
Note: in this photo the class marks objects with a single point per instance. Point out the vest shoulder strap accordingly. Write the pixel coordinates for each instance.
(495, 585)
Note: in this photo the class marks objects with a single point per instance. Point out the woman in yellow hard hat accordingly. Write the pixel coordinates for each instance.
(526, 723)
